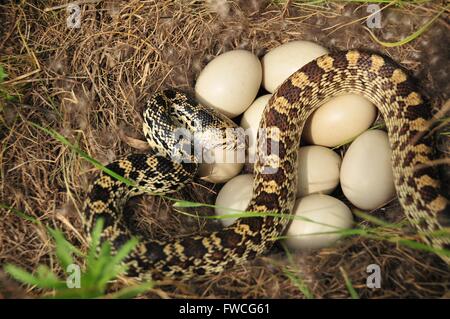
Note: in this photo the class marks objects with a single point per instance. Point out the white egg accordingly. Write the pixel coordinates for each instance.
(250, 122)
(316, 215)
(339, 120)
(318, 170)
(219, 172)
(219, 165)
(280, 62)
(366, 172)
(235, 194)
(230, 82)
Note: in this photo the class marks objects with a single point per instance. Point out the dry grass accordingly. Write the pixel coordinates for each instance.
(88, 84)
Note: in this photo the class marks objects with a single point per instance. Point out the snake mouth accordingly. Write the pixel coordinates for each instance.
(220, 145)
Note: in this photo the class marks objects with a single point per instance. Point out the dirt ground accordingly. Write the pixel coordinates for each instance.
(89, 83)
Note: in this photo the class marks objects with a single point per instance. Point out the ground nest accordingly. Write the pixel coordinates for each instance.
(89, 83)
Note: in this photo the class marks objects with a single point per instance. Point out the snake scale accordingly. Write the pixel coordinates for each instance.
(377, 78)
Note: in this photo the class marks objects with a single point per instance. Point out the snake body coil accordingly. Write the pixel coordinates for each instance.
(378, 79)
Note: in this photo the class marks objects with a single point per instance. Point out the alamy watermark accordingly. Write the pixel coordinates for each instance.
(73, 280)
(373, 281)
(74, 16)
(374, 19)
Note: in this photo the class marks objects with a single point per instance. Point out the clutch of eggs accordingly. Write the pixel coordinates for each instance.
(230, 83)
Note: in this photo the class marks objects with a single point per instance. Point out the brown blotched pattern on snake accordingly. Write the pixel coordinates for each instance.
(377, 78)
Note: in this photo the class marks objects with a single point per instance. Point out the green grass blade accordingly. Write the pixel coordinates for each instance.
(20, 214)
(185, 204)
(21, 275)
(47, 279)
(64, 249)
(3, 74)
(294, 277)
(113, 266)
(374, 220)
(93, 269)
(95, 273)
(95, 241)
(102, 261)
(409, 38)
(84, 155)
(44, 278)
(299, 283)
(348, 284)
(126, 249)
(420, 246)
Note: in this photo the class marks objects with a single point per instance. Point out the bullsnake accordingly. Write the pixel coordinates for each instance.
(377, 78)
